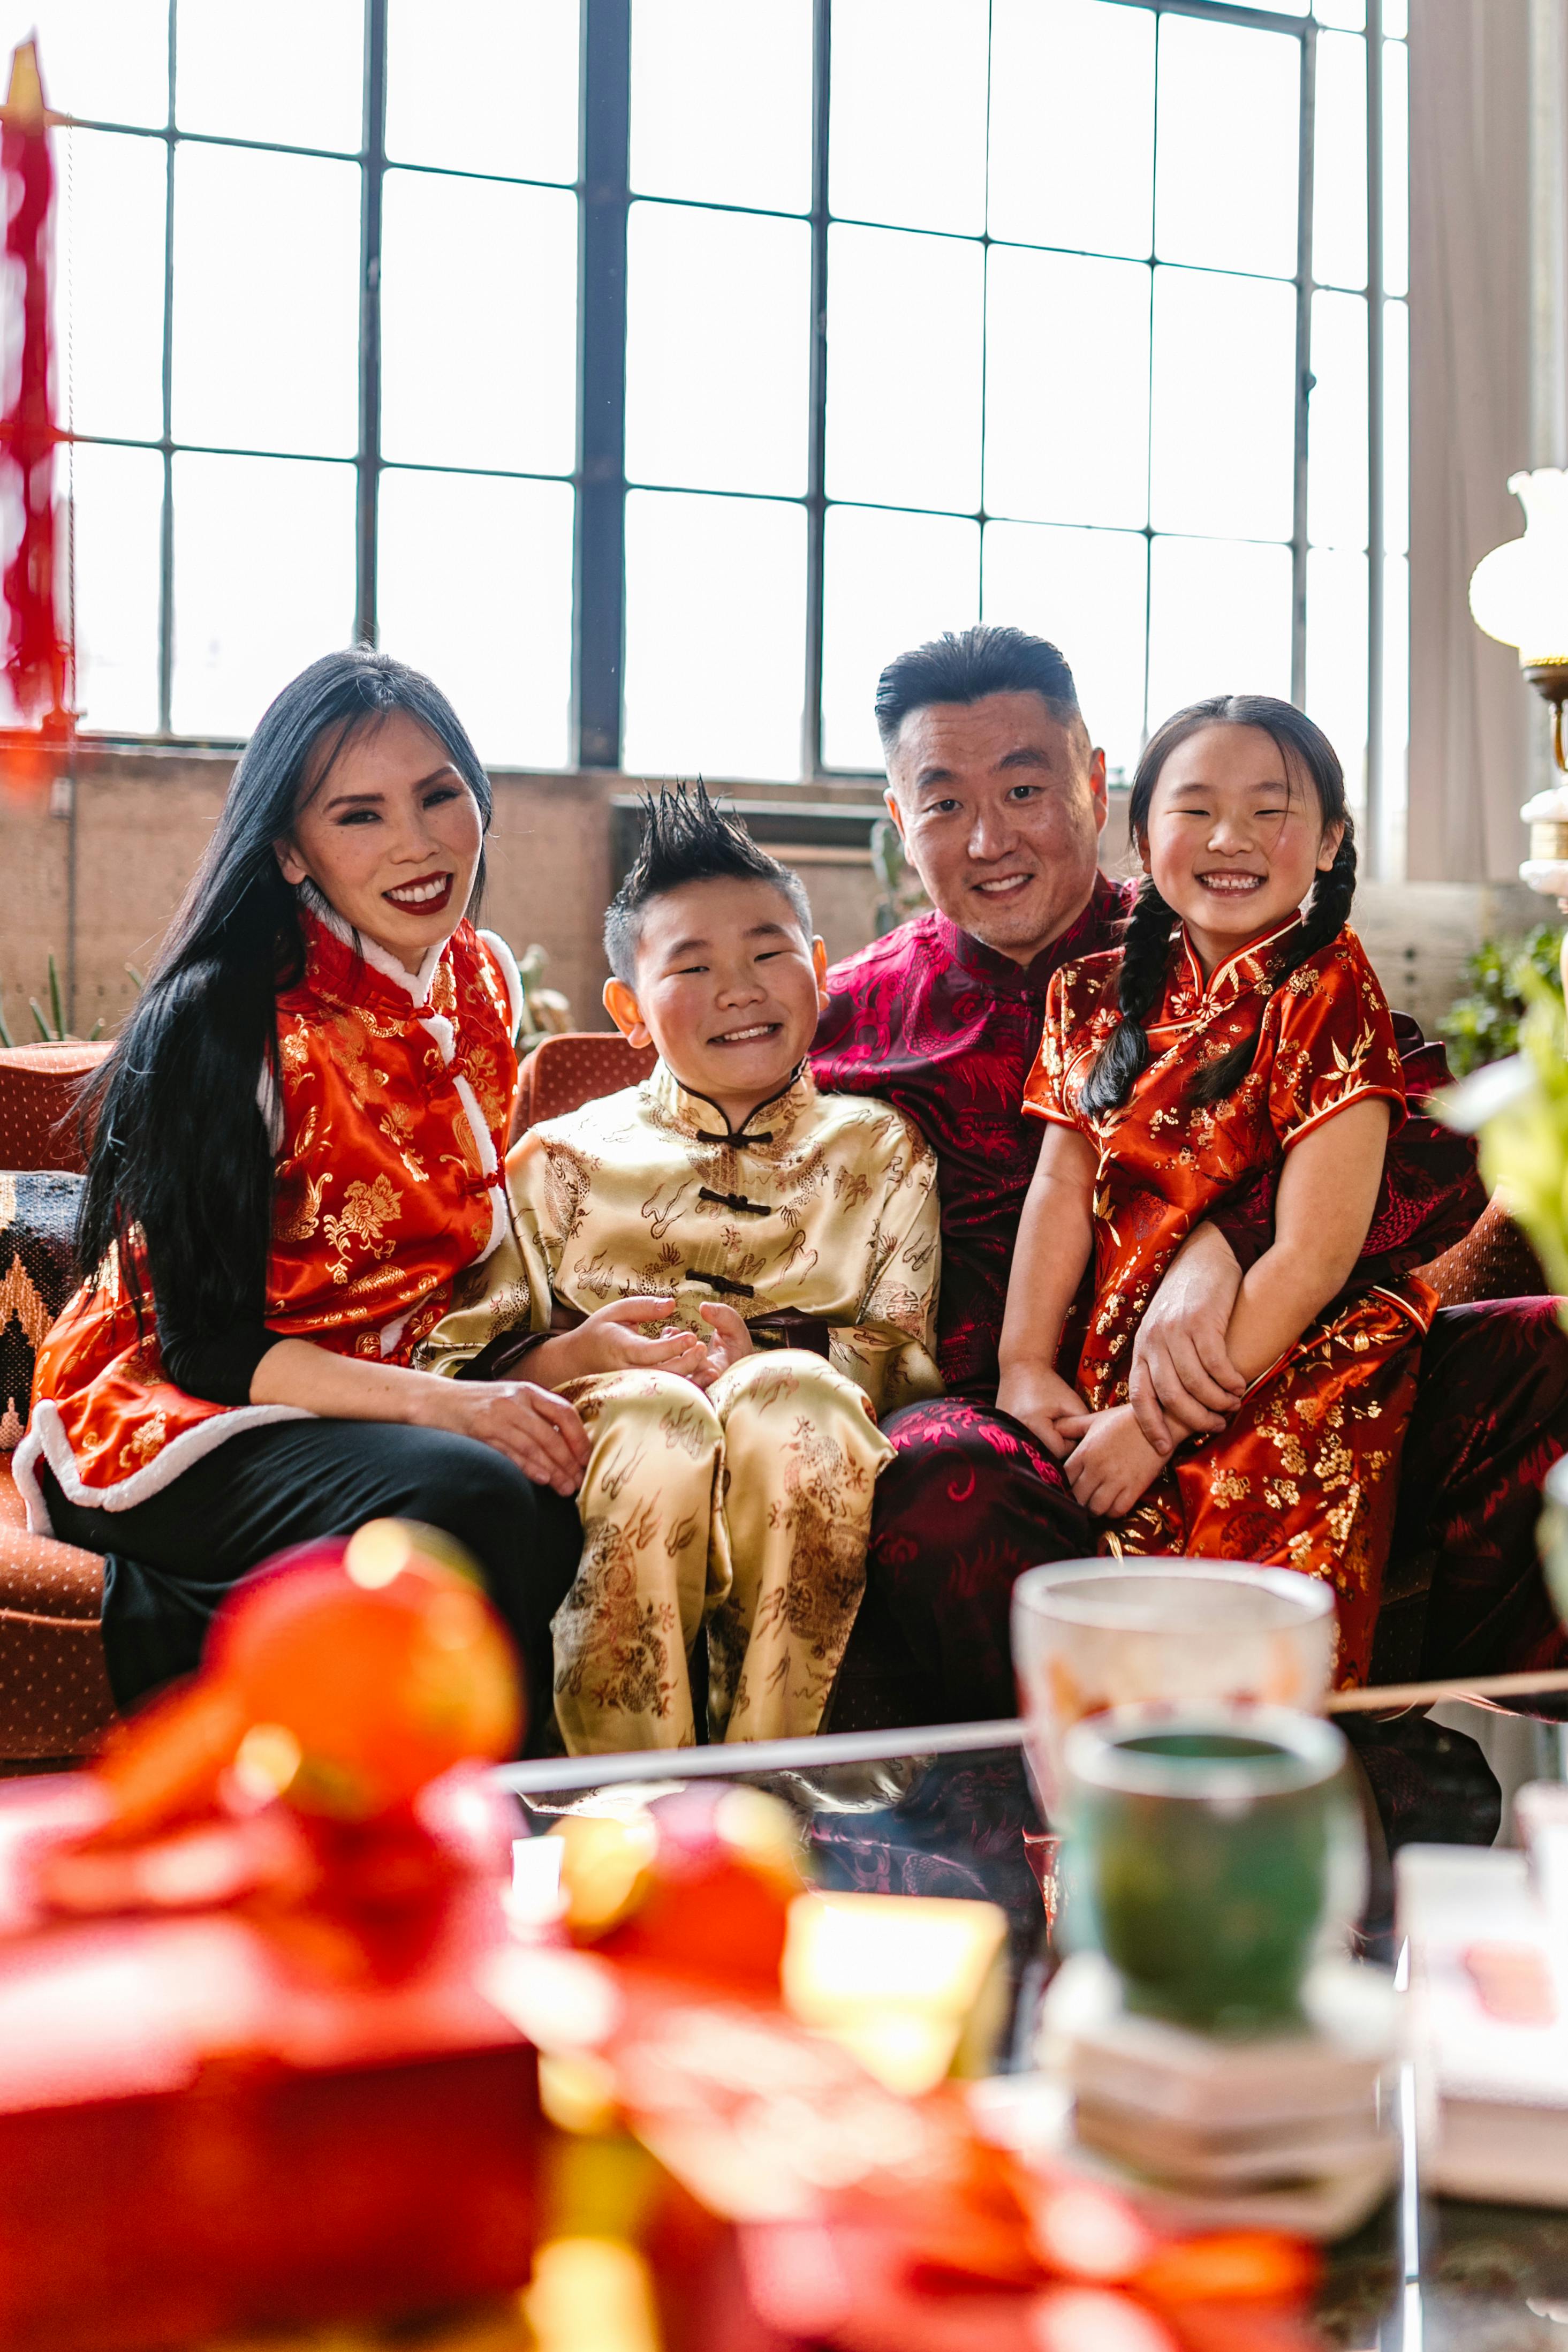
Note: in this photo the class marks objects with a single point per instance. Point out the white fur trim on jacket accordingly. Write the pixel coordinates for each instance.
(46, 1436)
(510, 974)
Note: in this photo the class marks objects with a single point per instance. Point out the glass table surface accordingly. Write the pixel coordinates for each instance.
(950, 1810)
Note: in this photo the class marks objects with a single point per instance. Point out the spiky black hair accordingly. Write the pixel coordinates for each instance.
(686, 839)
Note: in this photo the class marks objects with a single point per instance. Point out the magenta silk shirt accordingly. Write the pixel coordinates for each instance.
(948, 1031)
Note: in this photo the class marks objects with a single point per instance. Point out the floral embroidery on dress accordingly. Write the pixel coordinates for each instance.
(368, 1210)
(1296, 1479)
(362, 1106)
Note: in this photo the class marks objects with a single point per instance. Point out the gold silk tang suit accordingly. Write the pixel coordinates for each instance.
(745, 1509)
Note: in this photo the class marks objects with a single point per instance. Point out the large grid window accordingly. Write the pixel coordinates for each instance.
(653, 370)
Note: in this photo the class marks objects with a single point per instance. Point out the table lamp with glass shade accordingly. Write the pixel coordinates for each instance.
(1519, 594)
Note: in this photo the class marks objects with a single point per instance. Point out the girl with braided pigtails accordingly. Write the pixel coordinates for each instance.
(1240, 1027)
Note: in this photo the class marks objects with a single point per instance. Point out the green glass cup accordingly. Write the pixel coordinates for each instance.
(1211, 1854)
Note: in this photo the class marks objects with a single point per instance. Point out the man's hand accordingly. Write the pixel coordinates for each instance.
(1112, 1462)
(608, 1341)
(1042, 1401)
(1183, 1382)
(731, 1341)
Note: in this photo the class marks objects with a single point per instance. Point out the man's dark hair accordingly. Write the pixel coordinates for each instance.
(966, 665)
(686, 839)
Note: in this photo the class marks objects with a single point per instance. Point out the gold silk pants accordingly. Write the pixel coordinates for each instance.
(744, 1511)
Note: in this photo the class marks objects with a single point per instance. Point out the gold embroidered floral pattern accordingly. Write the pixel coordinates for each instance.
(1296, 1479)
(363, 1108)
(368, 1210)
(741, 1514)
(830, 1211)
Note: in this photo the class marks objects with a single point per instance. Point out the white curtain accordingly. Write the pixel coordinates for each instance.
(1470, 426)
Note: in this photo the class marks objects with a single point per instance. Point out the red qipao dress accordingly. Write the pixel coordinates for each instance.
(1306, 1475)
(388, 1116)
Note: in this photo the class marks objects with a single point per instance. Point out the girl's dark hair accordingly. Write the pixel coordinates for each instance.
(179, 1148)
(1145, 948)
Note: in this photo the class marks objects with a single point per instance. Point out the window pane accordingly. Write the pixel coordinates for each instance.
(1339, 162)
(478, 324)
(263, 582)
(1349, 13)
(903, 407)
(484, 85)
(1395, 19)
(1067, 438)
(1086, 591)
(105, 59)
(502, 648)
(1224, 406)
(719, 314)
(700, 69)
(1336, 425)
(1230, 125)
(291, 73)
(1396, 428)
(907, 129)
(267, 308)
(1396, 709)
(111, 205)
(715, 636)
(1084, 177)
(892, 582)
(117, 498)
(1219, 621)
(1336, 657)
(1396, 168)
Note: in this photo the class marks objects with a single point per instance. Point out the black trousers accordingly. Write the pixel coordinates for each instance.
(169, 1561)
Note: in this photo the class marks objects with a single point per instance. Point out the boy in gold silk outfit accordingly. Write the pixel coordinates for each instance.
(730, 1275)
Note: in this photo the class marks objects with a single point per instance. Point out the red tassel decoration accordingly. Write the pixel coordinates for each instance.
(37, 659)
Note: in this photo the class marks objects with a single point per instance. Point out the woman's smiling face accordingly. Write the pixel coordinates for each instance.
(1234, 840)
(390, 834)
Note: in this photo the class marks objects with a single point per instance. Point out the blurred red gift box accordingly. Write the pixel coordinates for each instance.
(213, 2119)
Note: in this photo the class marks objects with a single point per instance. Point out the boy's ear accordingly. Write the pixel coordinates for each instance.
(620, 1003)
(820, 966)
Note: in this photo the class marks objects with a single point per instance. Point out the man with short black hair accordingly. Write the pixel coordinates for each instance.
(999, 797)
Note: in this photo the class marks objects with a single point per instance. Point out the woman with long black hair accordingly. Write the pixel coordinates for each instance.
(295, 1165)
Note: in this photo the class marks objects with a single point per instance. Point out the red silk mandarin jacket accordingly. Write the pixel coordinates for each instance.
(388, 1113)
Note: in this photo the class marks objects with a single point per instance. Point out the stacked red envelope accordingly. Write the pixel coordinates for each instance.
(246, 2075)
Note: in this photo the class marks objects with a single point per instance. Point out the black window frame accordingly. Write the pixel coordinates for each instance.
(599, 476)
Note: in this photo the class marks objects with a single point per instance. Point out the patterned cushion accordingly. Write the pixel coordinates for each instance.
(562, 1073)
(38, 1089)
(1493, 1261)
(54, 1692)
(55, 1699)
(37, 1274)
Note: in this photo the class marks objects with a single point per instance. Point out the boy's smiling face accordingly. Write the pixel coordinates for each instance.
(728, 988)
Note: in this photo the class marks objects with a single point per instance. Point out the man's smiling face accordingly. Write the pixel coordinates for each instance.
(1000, 804)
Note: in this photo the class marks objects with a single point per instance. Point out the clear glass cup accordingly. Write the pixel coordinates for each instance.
(1090, 1635)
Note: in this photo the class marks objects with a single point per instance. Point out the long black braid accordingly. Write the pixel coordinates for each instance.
(1146, 950)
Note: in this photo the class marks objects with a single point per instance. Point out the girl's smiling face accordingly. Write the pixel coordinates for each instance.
(1234, 840)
